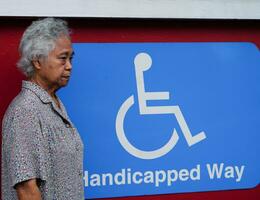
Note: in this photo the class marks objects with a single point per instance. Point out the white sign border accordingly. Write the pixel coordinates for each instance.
(178, 9)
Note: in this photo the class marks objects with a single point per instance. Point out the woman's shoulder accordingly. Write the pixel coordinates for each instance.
(22, 104)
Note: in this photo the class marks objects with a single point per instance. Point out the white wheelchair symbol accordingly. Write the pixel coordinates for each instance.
(143, 62)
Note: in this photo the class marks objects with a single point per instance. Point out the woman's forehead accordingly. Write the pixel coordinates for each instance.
(63, 46)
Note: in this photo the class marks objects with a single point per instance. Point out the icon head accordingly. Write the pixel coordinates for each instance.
(143, 61)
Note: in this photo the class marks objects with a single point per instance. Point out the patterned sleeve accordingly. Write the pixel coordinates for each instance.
(26, 151)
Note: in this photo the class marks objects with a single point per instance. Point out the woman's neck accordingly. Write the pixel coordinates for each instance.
(50, 90)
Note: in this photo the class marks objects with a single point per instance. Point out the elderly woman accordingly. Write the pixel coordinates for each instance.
(41, 149)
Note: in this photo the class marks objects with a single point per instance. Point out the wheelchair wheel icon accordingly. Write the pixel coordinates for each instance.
(143, 62)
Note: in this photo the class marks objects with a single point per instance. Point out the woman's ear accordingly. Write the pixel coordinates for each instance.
(36, 63)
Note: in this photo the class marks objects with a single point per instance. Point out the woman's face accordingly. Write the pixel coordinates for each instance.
(55, 70)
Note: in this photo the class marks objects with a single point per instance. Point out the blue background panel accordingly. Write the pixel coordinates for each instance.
(216, 86)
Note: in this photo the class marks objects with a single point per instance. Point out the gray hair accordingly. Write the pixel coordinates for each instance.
(38, 40)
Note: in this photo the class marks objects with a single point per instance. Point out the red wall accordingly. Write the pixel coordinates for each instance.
(119, 30)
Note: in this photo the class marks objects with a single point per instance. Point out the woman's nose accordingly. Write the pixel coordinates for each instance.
(68, 65)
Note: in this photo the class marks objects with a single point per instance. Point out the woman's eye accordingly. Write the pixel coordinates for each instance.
(63, 58)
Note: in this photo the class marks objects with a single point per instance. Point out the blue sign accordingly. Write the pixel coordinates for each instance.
(161, 118)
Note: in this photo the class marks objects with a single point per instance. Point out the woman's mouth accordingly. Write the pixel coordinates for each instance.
(66, 77)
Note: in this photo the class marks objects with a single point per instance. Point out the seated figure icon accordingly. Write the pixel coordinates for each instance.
(143, 62)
